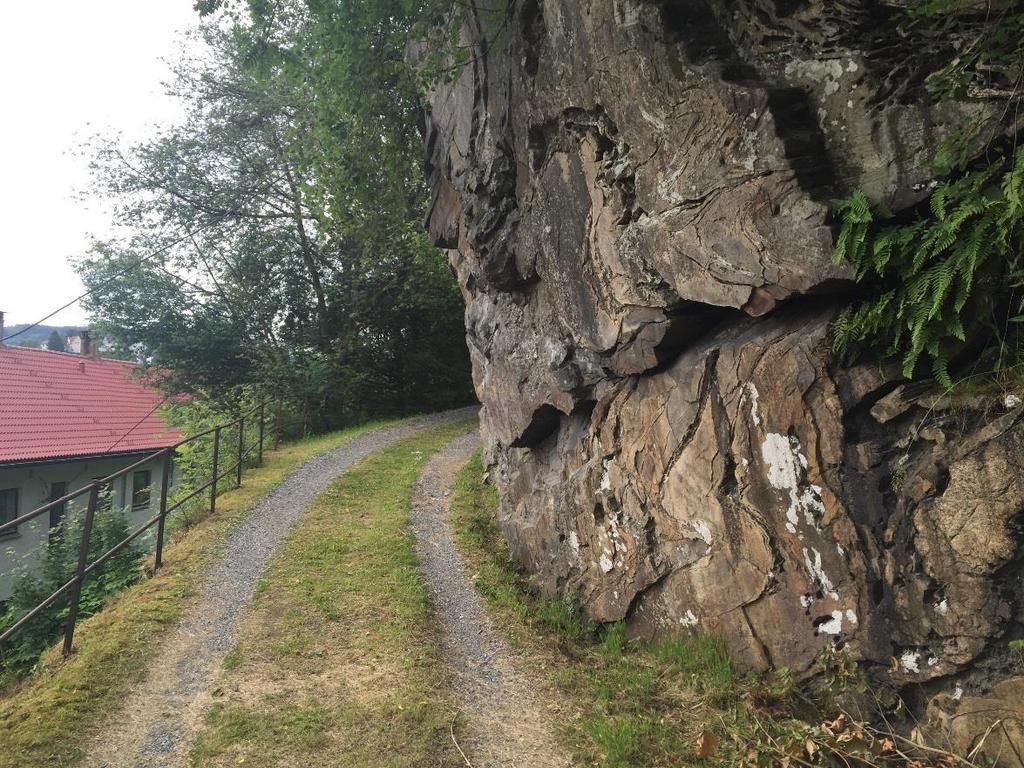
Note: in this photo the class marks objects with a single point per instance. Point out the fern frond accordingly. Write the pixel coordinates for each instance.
(976, 220)
(938, 202)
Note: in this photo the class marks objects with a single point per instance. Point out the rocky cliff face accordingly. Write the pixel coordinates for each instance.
(635, 196)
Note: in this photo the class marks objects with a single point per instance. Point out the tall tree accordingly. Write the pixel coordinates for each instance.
(55, 342)
(276, 230)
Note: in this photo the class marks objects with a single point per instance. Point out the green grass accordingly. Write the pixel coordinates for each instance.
(629, 708)
(46, 719)
(630, 703)
(338, 660)
(282, 733)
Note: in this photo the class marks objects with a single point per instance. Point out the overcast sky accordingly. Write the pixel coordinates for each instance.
(70, 69)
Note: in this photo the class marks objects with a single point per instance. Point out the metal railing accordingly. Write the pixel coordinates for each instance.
(73, 587)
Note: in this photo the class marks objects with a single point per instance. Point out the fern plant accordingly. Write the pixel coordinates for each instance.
(929, 268)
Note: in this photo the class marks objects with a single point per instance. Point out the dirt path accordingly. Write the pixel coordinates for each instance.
(160, 719)
(508, 725)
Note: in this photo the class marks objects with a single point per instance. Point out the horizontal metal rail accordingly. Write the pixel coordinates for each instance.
(121, 544)
(92, 489)
(178, 504)
(131, 467)
(12, 525)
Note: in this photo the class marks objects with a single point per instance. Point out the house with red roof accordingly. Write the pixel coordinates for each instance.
(65, 420)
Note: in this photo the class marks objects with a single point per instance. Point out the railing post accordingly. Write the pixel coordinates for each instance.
(241, 448)
(262, 417)
(165, 480)
(83, 558)
(213, 485)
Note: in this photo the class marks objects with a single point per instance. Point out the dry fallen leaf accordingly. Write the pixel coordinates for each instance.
(707, 744)
(810, 746)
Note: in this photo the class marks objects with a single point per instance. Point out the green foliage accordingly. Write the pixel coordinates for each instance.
(193, 462)
(985, 47)
(25, 335)
(285, 214)
(963, 258)
(1017, 650)
(58, 560)
(55, 342)
(613, 642)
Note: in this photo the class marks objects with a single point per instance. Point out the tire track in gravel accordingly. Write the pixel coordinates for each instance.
(162, 716)
(507, 724)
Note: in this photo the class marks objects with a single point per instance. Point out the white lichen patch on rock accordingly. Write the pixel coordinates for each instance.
(834, 625)
(703, 530)
(786, 469)
(688, 619)
(817, 573)
(910, 661)
(751, 394)
(827, 72)
(614, 548)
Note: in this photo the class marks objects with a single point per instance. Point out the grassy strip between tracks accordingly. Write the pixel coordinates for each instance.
(338, 662)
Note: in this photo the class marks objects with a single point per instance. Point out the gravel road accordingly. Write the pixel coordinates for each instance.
(162, 716)
(507, 723)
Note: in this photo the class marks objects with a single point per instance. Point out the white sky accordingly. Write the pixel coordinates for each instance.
(70, 69)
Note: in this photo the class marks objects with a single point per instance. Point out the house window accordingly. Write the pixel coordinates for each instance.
(8, 508)
(57, 513)
(142, 487)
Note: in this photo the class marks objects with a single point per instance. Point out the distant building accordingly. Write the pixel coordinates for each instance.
(74, 343)
(65, 420)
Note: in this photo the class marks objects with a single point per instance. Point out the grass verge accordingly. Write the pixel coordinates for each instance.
(338, 660)
(675, 702)
(46, 719)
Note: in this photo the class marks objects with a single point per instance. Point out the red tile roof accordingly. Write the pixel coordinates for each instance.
(55, 405)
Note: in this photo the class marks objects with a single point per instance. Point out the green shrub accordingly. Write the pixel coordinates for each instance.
(193, 462)
(58, 560)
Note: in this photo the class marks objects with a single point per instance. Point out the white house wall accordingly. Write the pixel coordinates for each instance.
(34, 482)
